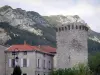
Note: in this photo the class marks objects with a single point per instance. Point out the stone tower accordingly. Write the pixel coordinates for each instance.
(71, 44)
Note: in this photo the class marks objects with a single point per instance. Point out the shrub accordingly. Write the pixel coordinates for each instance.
(81, 69)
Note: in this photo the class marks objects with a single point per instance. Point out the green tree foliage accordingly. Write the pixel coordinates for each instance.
(77, 70)
(94, 62)
(17, 70)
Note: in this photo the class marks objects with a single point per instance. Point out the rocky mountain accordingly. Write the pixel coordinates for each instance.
(17, 25)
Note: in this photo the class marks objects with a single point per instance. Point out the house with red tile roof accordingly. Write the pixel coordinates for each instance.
(33, 60)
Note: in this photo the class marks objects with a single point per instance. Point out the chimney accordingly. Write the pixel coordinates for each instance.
(24, 42)
(39, 46)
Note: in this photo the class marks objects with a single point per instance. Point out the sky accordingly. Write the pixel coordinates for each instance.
(88, 10)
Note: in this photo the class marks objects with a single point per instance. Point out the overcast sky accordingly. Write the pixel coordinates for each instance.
(88, 10)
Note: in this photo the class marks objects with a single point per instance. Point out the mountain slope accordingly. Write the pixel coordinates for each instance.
(25, 25)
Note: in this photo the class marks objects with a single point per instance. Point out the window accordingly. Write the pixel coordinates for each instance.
(59, 29)
(49, 65)
(14, 53)
(25, 52)
(68, 27)
(56, 29)
(86, 28)
(65, 28)
(72, 26)
(69, 58)
(80, 27)
(83, 27)
(24, 62)
(13, 63)
(44, 64)
(76, 27)
(62, 28)
(24, 74)
(38, 63)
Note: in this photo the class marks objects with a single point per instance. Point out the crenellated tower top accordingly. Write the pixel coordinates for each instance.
(71, 26)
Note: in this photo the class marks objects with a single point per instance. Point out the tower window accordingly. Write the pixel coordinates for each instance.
(80, 27)
(56, 29)
(65, 28)
(72, 26)
(59, 29)
(86, 29)
(76, 27)
(68, 27)
(62, 28)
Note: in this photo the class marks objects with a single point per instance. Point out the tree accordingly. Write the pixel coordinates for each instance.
(94, 62)
(17, 70)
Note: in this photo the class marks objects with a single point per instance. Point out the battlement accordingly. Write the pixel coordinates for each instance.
(71, 26)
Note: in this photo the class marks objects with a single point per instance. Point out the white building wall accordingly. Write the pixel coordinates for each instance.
(32, 68)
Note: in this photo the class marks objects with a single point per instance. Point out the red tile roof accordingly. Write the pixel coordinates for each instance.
(48, 49)
(26, 47)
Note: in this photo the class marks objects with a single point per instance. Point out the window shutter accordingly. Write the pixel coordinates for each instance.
(37, 63)
(27, 62)
(21, 62)
(9, 62)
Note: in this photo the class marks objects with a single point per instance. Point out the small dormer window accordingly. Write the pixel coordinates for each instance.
(25, 53)
(14, 53)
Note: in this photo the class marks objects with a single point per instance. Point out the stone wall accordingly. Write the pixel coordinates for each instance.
(71, 46)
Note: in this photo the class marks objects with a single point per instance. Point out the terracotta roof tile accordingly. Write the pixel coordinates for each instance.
(26, 47)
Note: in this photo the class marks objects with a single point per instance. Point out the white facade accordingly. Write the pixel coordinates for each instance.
(37, 63)
(71, 45)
